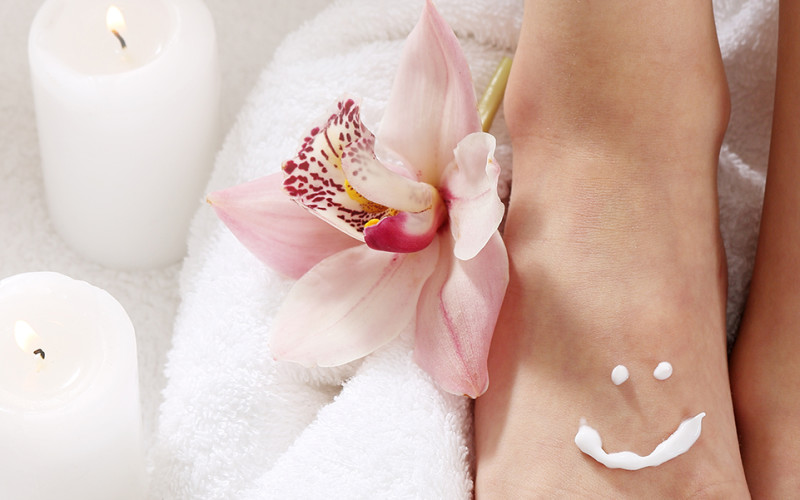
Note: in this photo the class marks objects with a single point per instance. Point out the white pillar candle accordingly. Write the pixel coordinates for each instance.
(127, 136)
(70, 421)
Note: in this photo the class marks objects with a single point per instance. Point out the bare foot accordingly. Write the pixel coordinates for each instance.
(616, 257)
(765, 374)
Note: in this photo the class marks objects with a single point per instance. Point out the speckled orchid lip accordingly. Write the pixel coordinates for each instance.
(315, 179)
(336, 165)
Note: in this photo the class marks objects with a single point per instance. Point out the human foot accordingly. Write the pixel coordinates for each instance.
(641, 292)
(615, 259)
(765, 375)
(766, 384)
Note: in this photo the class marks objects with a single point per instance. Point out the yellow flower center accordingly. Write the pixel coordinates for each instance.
(368, 206)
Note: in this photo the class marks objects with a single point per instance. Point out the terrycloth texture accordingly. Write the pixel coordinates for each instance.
(234, 423)
(748, 38)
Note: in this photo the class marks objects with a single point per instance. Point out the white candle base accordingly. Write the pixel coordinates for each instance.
(70, 424)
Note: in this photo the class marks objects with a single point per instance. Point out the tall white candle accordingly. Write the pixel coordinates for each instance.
(127, 135)
(70, 421)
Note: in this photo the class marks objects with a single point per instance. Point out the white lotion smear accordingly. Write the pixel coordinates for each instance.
(619, 374)
(678, 443)
(663, 371)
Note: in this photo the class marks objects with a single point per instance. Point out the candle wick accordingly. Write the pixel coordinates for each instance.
(39, 352)
(119, 37)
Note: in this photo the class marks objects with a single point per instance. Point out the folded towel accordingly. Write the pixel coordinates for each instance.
(748, 38)
(235, 423)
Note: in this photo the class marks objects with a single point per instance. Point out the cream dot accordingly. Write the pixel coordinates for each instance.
(663, 371)
(619, 374)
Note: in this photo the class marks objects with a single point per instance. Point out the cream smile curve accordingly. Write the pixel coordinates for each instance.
(678, 443)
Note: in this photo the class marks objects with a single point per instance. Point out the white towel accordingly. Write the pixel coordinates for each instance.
(748, 38)
(236, 424)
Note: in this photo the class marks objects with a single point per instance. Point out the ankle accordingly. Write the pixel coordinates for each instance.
(614, 162)
(604, 89)
(685, 125)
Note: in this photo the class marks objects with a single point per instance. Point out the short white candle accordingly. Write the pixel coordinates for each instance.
(70, 421)
(127, 136)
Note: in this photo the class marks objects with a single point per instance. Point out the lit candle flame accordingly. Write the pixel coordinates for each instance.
(25, 336)
(116, 24)
(114, 20)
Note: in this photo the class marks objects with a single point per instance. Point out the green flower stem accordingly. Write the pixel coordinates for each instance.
(491, 99)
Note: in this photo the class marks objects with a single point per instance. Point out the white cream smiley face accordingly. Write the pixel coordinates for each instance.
(678, 443)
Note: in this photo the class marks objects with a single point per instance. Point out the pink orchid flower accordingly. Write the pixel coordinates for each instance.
(390, 232)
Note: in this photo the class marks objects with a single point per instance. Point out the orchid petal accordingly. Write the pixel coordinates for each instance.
(432, 104)
(276, 229)
(406, 232)
(456, 316)
(374, 181)
(349, 305)
(314, 178)
(469, 187)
